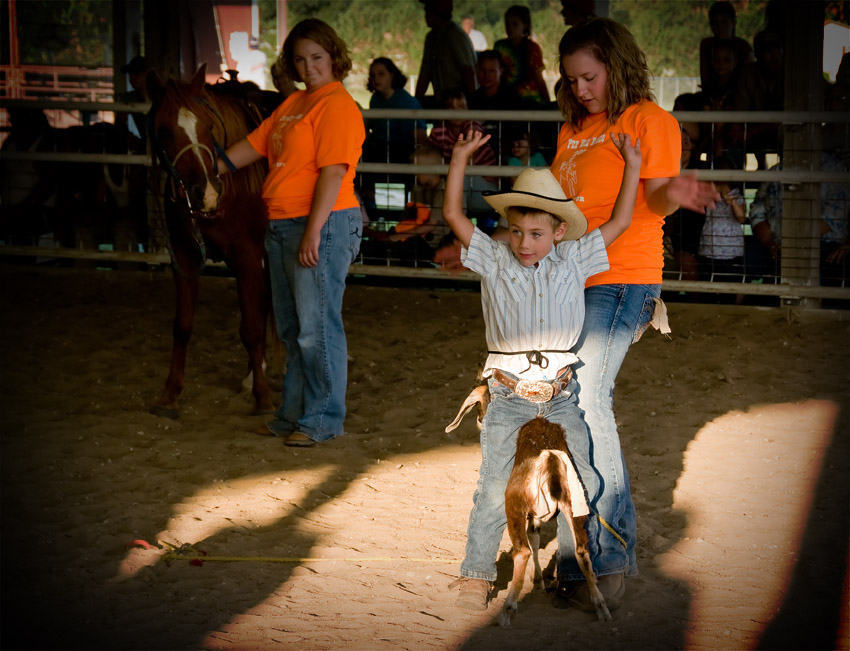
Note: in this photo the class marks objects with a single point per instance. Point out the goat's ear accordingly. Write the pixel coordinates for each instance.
(476, 396)
(197, 84)
(154, 86)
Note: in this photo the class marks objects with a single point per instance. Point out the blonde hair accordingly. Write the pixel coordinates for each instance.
(614, 46)
(323, 35)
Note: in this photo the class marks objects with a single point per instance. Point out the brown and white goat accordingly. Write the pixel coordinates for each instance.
(543, 481)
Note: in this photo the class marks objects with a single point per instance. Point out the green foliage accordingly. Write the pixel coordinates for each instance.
(65, 32)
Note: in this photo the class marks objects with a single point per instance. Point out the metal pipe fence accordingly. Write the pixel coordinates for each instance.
(797, 275)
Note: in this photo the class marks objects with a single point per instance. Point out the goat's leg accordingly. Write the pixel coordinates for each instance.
(517, 528)
(578, 526)
(534, 539)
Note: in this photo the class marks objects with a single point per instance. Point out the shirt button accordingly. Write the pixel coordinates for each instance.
(541, 320)
(540, 294)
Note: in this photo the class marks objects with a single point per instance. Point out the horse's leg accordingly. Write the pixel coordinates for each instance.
(187, 298)
(254, 302)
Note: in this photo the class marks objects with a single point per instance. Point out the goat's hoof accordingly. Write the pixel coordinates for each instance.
(165, 412)
(505, 617)
(602, 612)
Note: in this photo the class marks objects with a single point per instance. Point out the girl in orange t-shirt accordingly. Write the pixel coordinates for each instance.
(605, 88)
(312, 143)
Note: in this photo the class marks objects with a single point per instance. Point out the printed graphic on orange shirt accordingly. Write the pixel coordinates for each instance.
(283, 122)
(568, 177)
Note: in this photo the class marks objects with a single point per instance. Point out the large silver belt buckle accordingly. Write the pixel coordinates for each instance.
(535, 390)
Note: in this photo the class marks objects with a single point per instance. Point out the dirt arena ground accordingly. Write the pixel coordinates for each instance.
(735, 432)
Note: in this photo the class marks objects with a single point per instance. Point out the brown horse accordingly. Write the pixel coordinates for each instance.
(190, 124)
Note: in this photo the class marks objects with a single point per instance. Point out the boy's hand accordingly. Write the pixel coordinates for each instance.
(623, 143)
(465, 147)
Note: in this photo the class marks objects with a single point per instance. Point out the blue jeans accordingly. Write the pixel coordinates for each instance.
(615, 317)
(308, 313)
(505, 415)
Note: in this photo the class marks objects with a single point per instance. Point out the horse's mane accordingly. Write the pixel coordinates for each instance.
(232, 117)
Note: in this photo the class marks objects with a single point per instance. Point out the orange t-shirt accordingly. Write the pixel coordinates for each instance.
(590, 170)
(305, 133)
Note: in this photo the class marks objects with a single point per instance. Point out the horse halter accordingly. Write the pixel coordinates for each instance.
(195, 147)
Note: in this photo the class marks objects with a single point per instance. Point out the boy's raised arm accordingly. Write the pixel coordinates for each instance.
(463, 149)
(624, 206)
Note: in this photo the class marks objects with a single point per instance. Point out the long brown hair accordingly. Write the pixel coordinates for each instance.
(614, 46)
(322, 34)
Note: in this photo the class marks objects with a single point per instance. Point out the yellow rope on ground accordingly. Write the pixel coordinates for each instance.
(171, 556)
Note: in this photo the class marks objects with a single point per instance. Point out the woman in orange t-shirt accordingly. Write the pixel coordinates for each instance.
(312, 143)
(605, 88)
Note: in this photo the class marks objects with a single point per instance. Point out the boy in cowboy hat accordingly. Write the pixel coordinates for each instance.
(532, 296)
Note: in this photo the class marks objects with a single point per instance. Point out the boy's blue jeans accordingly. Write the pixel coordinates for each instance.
(615, 317)
(308, 313)
(506, 413)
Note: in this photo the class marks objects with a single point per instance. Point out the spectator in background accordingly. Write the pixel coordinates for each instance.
(577, 11)
(391, 141)
(494, 94)
(761, 87)
(721, 246)
(722, 19)
(684, 227)
(136, 70)
(699, 132)
(479, 42)
(720, 96)
(524, 152)
(448, 60)
(522, 58)
(388, 141)
(443, 138)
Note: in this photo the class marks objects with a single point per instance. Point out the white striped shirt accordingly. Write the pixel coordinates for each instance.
(533, 308)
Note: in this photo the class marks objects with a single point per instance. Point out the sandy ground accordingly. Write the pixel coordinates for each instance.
(735, 431)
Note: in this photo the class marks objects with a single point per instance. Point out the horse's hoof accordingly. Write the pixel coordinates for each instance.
(165, 412)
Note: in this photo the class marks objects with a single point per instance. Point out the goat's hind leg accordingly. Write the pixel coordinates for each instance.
(534, 539)
(520, 553)
(579, 529)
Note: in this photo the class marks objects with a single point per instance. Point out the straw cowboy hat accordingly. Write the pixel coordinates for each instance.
(539, 189)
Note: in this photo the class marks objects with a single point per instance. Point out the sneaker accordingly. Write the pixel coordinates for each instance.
(473, 593)
(612, 587)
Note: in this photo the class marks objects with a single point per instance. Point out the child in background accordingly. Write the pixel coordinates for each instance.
(522, 58)
(523, 155)
(684, 227)
(721, 246)
(532, 296)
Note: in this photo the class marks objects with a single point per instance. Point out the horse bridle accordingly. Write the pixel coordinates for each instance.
(171, 165)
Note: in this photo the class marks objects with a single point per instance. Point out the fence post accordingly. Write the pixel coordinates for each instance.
(800, 251)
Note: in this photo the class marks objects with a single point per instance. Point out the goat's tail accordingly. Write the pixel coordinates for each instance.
(565, 485)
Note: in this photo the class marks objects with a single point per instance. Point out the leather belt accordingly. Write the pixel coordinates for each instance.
(534, 390)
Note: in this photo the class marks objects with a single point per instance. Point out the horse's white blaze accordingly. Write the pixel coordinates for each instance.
(188, 121)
